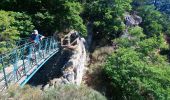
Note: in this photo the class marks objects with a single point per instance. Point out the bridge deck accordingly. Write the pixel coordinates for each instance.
(22, 63)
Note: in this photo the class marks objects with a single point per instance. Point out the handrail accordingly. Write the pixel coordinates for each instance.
(24, 59)
(21, 46)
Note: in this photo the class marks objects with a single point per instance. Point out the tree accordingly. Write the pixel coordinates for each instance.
(23, 23)
(50, 16)
(71, 17)
(154, 21)
(60, 92)
(136, 79)
(13, 25)
(151, 20)
(107, 17)
(135, 69)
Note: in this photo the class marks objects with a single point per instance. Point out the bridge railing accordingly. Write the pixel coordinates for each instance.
(8, 45)
(21, 61)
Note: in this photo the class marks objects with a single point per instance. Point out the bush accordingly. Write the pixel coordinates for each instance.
(40, 20)
(136, 70)
(72, 92)
(136, 31)
(13, 25)
(23, 23)
(62, 92)
(25, 93)
(136, 79)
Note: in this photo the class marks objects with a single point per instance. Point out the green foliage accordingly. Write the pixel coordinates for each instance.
(124, 42)
(135, 78)
(135, 34)
(6, 46)
(7, 30)
(45, 22)
(67, 92)
(155, 14)
(50, 16)
(136, 31)
(150, 45)
(154, 22)
(166, 23)
(136, 70)
(25, 93)
(107, 16)
(72, 19)
(62, 92)
(160, 5)
(23, 23)
(13, 25)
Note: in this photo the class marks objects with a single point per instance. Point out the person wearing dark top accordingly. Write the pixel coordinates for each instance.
(35, 37)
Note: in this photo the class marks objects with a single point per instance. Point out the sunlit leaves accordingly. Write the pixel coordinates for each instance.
(135, 78)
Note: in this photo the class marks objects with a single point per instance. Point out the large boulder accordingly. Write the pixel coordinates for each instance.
(132, 20)
(74, 68)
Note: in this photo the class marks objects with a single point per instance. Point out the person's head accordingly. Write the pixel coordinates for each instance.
(35, 32)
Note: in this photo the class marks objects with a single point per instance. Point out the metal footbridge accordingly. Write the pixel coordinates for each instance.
(20, 64)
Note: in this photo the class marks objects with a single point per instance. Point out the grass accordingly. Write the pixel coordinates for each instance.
(62, 92)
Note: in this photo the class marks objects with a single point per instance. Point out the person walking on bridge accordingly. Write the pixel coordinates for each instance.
(36, 37)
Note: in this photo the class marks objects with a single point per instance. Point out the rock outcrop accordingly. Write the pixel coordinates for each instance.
(132, 20)
(73, 69)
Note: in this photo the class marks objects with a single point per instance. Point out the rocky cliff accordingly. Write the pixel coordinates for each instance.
(132, 19)
(72, 71)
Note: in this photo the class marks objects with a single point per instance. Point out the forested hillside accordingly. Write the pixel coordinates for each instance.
(127, 40)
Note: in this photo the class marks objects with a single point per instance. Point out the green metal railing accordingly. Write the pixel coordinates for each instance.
(21, 63)
(8, 45)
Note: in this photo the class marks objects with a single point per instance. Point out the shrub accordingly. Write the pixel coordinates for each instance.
(136, 79)
(62, 92)
(72, 92)
(13, 25)
(25, 93)
(136, 31)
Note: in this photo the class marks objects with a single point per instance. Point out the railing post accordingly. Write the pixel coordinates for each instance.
(15, 64)
(50, 45)
(34, 48)
(53, 43)
(23, 59)
(6, 82)
(45, 47)
(29, 56)
(56, 45)
(39, 53)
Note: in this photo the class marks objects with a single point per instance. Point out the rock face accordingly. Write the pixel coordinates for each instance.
(73, 69)
(132, 20)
